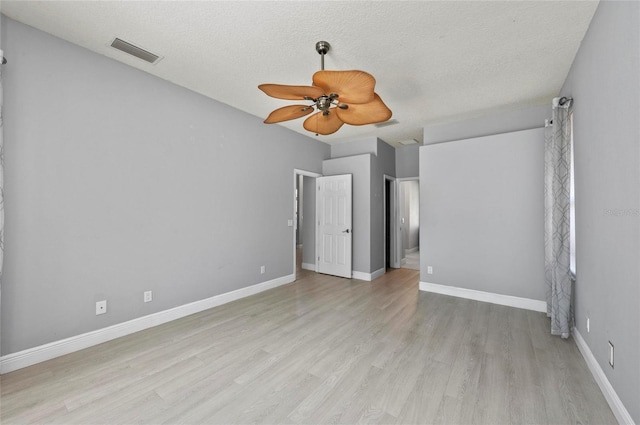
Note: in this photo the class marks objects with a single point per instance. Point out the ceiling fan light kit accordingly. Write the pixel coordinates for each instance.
(340, 97)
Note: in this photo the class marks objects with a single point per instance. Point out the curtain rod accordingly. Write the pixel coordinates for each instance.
(564, 100)
(561, 102)
(558, 102)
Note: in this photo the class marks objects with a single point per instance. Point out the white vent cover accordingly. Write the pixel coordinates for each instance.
(409, 142)
(387, 123)
(134, 50)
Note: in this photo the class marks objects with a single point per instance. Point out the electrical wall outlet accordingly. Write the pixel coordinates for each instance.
(429, 270)
(588, 325)
(101, 307)
(148, 296)
(263, 269)
(610, 354)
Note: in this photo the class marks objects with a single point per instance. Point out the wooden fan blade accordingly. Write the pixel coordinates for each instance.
(352, 86)
(366, 113)
(291, 92)
(323, 124)
(288, 113)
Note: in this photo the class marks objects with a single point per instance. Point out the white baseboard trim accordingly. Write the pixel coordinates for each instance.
(368, 276)
(360, 275)
(34, 355)
(309, 266)
(618, 409)
(378, 273)
(488, 297)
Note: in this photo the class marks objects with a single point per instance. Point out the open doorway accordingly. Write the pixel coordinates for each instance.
(409, 207)
(387, 224)
(304, 212)
(391, 235)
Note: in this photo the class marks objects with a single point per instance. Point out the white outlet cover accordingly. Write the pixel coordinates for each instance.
(101, 307)
(148, 296)
(429, 270)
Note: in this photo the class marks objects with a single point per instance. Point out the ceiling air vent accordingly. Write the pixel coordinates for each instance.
(133, 50)
(386, 123)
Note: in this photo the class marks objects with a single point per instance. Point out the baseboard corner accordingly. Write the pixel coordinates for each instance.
(376, 274)
(368, 276)
(619, 411)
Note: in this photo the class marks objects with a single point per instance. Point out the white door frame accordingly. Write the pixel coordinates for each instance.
(393, 234)
(297, 172)
(400, 246)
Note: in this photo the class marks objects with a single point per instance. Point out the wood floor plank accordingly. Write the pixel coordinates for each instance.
(424, 401)
(347, 369)
(321, 350)
(356, 403)
(273, 400)
(521, 358)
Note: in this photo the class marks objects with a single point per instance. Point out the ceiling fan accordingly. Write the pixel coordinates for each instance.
(340, 97)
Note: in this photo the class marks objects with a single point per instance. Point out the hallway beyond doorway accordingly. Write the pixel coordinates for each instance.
(412, 260)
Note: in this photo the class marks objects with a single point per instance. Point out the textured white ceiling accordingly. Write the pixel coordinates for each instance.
(434, 61)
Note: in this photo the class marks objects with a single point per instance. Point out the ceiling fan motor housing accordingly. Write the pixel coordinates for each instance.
(323, 103)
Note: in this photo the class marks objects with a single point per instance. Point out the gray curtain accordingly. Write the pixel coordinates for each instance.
(557, 167)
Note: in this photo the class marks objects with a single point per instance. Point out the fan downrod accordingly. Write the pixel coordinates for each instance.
(322, 47)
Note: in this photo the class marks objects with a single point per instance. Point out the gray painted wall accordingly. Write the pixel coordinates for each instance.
(360, 167)
(407, 163)
(605, 82)
(386, 158)
(383, 163)
(308, 224)
(347, 159)
(356, 147)
(481, 214)
(118, 182)
(495, 122)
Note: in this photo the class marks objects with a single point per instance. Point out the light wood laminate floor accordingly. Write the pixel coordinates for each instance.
(322, 350)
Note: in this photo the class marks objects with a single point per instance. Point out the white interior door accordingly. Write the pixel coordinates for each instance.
(334, 237)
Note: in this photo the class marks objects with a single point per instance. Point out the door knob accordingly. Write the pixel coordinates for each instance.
(345, 231)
